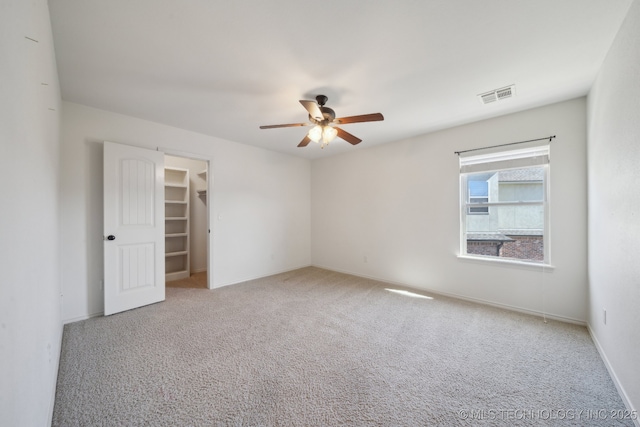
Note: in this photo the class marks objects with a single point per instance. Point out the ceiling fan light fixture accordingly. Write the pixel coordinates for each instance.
(325, 133)
(315, 133)
(328, 134)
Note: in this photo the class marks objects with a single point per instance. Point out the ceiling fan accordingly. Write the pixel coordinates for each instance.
(322, 119)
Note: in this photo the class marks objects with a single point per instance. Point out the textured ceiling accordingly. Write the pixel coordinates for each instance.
(223, 68)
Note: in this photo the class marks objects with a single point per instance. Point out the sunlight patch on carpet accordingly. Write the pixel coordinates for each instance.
(407, 293)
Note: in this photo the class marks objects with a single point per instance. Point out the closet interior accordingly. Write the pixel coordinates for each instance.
(186, 229)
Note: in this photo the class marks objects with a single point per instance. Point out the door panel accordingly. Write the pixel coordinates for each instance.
(137, 177)
(138, 266)
(133, 227)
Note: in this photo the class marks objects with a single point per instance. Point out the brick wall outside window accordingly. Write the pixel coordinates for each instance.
(482, 248)
(521, 247)
(524, 247)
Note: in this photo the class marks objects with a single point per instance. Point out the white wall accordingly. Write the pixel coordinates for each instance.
(30, 315)
(197, 211)
(398, 206)
(614, 207)
(260, 202)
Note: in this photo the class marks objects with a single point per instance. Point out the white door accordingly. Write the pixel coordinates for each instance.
(133, 227)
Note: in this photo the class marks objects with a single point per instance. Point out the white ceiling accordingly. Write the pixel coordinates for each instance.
(223, 68)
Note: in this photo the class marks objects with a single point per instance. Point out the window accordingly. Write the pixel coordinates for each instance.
(504, 212)
(478, 193)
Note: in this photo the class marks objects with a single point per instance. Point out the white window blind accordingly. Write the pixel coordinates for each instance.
(512, 159)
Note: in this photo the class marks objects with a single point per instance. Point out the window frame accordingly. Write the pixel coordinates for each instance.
(496, 162)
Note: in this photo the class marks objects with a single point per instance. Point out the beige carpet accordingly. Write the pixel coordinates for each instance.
(196, 280)
(318, 348)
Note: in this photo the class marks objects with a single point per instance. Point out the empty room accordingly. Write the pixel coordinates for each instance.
(274, 213)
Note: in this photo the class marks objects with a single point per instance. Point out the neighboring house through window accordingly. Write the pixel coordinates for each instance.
(478, 193)
(504, 198)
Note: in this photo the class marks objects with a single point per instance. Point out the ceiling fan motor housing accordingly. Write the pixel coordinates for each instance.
(321, 100)
(328, 114)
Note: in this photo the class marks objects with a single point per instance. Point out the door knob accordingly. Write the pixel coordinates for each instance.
(111, 237)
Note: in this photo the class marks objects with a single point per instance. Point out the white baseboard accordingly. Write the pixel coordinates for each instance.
(260, 276)
(52, 401)
(614, 377)
(79, 318)
(551, 316)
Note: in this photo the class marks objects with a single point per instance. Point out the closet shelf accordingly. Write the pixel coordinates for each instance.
(176, 223)
(202, 191)
(170, 254)
(176, 275)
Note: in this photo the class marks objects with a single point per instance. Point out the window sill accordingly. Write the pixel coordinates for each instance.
(508, 262)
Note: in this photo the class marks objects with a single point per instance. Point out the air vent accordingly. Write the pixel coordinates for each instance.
(488, 98)
(497, 95)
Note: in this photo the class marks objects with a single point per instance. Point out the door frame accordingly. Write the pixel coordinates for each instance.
(209, 161)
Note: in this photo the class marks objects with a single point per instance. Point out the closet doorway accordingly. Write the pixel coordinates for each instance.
(186, 196)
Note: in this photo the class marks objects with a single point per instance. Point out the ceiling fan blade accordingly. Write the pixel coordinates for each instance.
(313, 109)
(305, 141)
(375, 117)
(285, 126)
(351, 139)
